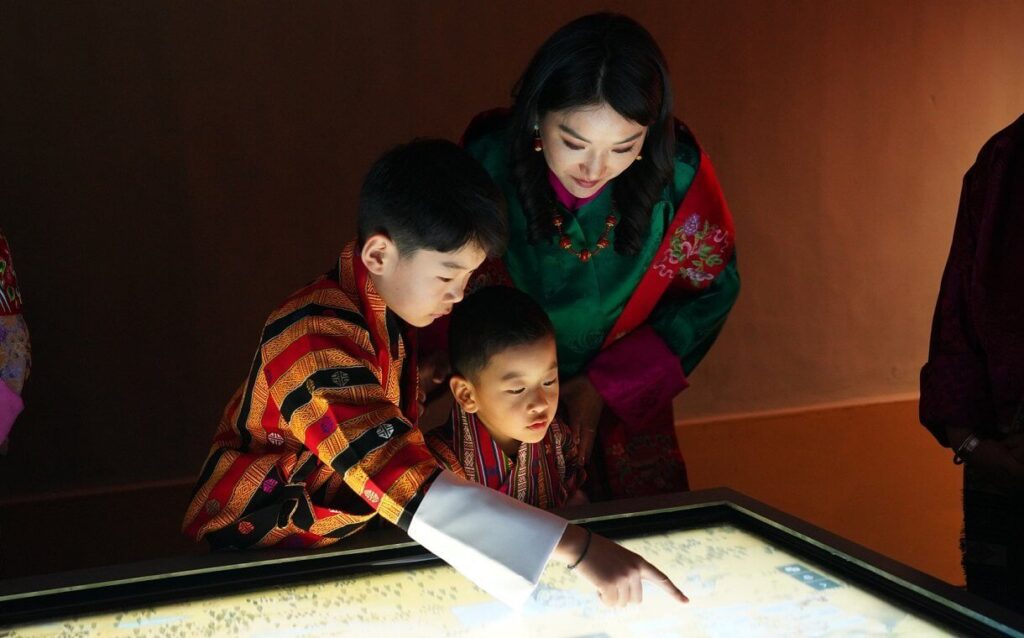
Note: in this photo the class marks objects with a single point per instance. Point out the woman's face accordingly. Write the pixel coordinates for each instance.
(585, 147)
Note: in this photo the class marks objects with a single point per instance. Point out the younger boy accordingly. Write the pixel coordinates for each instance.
(503, 432)
(322, 437)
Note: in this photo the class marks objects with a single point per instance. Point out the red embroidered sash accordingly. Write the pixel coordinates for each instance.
(697, 246)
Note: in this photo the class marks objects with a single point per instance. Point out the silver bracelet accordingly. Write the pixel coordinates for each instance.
(965, 449)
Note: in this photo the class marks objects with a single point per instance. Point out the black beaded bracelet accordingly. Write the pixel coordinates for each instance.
(583, 554)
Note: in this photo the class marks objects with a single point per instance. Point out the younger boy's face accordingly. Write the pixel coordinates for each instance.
(423, 285)
(516, 393)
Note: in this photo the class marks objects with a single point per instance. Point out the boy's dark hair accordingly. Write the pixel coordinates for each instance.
(432, 194)
(490, 321)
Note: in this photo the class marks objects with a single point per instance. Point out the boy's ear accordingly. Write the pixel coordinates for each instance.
(464, 393)
(379, 253)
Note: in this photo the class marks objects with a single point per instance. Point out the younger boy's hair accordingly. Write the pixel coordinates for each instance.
(431, 194)
(490, 321)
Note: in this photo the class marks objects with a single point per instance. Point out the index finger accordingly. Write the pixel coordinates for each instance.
(651, 573)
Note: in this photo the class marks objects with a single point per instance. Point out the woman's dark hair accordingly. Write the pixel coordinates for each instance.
(432, 194)
(599, 58)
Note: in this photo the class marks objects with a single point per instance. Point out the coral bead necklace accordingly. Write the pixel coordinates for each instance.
(584, 254)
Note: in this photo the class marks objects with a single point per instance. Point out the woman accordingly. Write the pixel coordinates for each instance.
(619, 230)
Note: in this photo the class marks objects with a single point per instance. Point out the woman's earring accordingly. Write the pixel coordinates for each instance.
(538, 146)
(639, 157)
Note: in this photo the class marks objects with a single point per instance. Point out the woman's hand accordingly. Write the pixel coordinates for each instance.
(584, 406)
(615, 571)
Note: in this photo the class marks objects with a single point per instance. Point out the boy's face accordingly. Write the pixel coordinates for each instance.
(515, 394)
(423, 285)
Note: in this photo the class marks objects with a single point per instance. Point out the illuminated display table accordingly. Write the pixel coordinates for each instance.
(748, 569)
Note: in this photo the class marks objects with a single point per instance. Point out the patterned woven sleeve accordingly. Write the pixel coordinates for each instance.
(15, 352)
(567, 444)
(342, 405)
(439, 441)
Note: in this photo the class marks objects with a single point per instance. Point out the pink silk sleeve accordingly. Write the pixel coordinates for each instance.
(10, 408)
(637, 376)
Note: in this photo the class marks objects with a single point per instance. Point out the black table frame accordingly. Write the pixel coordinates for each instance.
(58, 596)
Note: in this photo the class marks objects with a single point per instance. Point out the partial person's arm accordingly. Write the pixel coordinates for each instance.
(955, 393)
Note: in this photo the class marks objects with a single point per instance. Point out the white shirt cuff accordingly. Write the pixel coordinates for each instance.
(497, 542)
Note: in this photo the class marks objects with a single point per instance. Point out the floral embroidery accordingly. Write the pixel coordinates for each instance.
(371, 496)
(695, 251)
(691, 225)
(269, 485)
(275, 439)
(385, 430)
(698, 276)
(212, 507)
(245, 527)
(15, 351)
(10, 297)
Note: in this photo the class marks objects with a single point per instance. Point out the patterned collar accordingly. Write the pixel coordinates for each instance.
(537, 475)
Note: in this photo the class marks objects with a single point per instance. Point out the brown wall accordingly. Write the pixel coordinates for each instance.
(171, 170)
(842, 131)
(865, 470)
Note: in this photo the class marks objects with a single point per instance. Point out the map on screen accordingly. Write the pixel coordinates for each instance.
(738, 584)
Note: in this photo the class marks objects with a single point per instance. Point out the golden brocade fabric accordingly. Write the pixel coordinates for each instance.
(320, 439)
